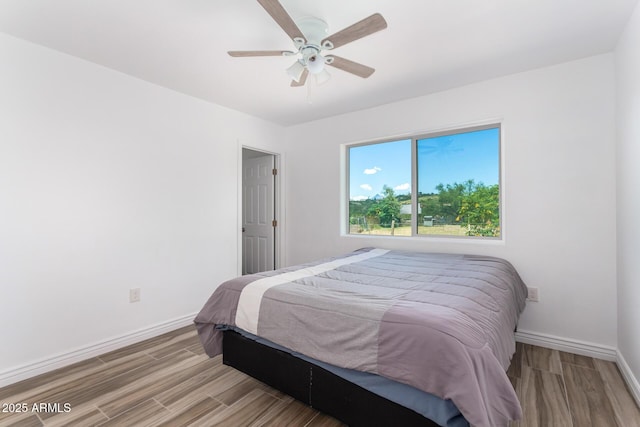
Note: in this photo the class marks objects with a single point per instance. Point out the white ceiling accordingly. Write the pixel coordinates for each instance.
(429, 45)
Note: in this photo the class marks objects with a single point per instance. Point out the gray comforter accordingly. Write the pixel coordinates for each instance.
(442, 323)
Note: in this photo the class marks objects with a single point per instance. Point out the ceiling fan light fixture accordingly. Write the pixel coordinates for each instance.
(315, 63)
(322, 77)
(295, 71)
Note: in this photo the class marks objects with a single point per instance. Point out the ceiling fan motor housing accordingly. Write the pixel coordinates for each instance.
(315, 30)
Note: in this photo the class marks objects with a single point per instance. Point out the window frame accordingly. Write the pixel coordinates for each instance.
(414, 137)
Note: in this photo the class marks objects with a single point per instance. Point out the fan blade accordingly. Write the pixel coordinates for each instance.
(243, 53)
(303, 79)
(360, 29)
(350, 66)
(282, 18)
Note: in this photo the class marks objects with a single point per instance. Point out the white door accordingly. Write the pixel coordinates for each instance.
(258, 228)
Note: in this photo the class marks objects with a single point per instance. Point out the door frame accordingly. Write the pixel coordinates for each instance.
(278, 249)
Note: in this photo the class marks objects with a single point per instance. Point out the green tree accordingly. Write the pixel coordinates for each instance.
(386, 209)
(476, 206)
(480, 209)
(450, 200)
(359, 208)
(430, 206)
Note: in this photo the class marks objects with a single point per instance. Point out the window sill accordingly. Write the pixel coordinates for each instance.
(492, 241)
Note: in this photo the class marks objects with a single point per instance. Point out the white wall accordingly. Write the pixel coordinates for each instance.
(628, 195)
(108, 183)
(559, 182)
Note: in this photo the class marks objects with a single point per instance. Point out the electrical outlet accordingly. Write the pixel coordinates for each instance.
(134, 295)
(532, 294)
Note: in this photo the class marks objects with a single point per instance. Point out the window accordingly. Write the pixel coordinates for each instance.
(456, 176)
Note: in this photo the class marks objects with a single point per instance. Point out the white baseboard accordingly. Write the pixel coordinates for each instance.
(48, 364)
(583, 348)
(629, 378)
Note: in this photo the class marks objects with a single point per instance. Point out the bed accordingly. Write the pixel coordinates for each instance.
(426, 337)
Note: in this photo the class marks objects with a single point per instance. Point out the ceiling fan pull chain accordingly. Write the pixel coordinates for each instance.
(309, 98)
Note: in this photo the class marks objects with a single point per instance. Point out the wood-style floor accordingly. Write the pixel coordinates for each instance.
(169, 381)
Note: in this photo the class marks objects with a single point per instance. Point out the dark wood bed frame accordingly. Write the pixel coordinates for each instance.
(315, 386)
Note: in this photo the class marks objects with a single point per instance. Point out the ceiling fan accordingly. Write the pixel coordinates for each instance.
(310, 40)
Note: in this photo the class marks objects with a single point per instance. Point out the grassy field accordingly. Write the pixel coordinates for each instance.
(440, 230)
(436, 230)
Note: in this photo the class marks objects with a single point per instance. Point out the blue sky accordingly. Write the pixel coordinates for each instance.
(446, 159)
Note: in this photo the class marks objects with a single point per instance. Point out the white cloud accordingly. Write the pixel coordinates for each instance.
(366, 187)
(402, 187)
(372, 171)
(359, 198)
